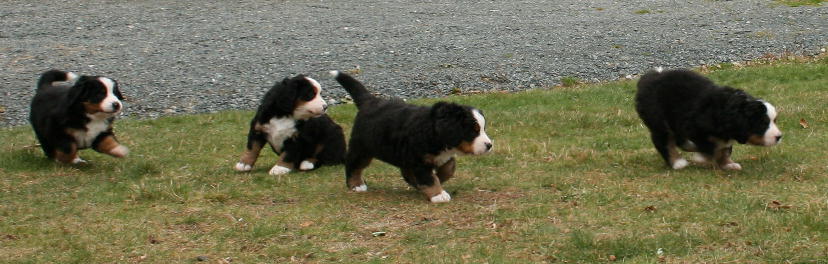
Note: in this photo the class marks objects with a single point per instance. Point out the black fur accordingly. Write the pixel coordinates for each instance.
(318, 139)
(681, 105)
(404, 135)
(58, 106)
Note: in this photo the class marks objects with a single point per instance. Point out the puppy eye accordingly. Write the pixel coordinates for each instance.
(476, 128)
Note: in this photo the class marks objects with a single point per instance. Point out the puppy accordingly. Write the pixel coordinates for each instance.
(69, 113)
(686, 110)
(291, 118)
(417, 139)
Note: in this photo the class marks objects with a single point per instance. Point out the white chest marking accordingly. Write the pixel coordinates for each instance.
(445, 156)
(278, 130)
(93, 129)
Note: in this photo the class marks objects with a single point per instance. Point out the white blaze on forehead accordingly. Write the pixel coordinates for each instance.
(771, 110)
(106, 103)
(480, 119)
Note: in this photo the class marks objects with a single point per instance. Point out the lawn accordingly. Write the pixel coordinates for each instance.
(572, 178)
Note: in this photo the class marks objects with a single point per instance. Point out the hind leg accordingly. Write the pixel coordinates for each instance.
(429, 184)
(355, 163)
(446, 171)
(255, 143)
(722, 157)
(666, 146)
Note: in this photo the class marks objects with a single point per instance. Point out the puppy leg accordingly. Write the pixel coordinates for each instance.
(354, 165)
(666, 146)
(446, 171)
(429, 184)
(68, 154)
(282, 166)
(255, 143)
(722, 157)
(312, 162)
(107, 144)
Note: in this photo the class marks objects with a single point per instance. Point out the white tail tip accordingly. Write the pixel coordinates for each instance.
(659, 69)
(334, 73)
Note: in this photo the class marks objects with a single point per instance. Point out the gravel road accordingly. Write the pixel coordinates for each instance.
(176, 57)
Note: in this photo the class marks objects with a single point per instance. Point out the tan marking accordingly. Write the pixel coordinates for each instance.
(107, 144)
(67, 157)
(672, 151)
(445, 172)
(466, 147)
(282, 162)
(433, 190)
(722, 156)
(91, 108)
(250, 156)
(356, 178)
(758, 140)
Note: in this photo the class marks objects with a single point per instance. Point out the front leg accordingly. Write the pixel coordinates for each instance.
(255, 143)
(430, 185)
(446, 171)
(723, 160)
(67, 153)
(107, 144)
(281, 167)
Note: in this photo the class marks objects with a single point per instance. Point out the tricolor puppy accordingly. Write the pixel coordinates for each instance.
(686, 110)
(69, 113)
(291, 118)
(419, 140)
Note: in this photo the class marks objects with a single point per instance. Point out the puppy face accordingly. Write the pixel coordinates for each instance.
(764, 131)
(98, 95)
(463, 128)
(309, 102)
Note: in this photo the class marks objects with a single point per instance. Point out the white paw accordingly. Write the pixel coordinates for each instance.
(119, 151)
(243, 167)
(361, 188)
(279, 170)
(78, 161)
(680, 164)
(699, 158)
(441, 198)
(732, 166)
(306, 165)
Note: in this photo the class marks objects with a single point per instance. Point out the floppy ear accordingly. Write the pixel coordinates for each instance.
(448, 120)
(286, 97)
(77, 92)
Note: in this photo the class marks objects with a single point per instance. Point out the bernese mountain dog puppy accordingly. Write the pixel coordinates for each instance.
(292, 119)
(683, 109)
(419, 140)
(71, 112)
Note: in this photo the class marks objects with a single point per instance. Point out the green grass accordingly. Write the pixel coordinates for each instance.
(795, 3)
(573, 179)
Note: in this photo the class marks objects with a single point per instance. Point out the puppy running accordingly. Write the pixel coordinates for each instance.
(419, 140)
(291, 118)
(70, 113)
(686, 110)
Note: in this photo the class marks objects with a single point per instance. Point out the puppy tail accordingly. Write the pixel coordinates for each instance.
(51, 76)
(354, 87)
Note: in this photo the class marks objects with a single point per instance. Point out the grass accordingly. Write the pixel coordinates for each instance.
(795, 3)
(573, 179)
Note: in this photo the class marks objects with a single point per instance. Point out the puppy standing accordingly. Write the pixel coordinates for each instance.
(417, 139)
(69, 113)
(686, 110)
(291, 118)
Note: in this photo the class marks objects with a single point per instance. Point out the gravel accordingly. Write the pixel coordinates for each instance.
(174, 57)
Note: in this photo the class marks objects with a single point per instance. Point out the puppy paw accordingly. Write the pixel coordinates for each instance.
(306, 165)
(78, 160)
(243, 167)
(732, 166)
(443, 197)
(699, 158)
(361, 188)
(680, 164)
(120, 151)
(279, 170)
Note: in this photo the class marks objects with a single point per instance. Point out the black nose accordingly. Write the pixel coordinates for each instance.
(778, 138)
(488, 146)
(116, 106)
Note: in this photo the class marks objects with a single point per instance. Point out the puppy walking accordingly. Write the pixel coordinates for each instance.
(686, 110)
(70, 113)
(421, 141)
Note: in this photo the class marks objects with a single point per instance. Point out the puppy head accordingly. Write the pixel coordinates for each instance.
(761, 124)
(461, 127)
(97, 95)
(301, 97)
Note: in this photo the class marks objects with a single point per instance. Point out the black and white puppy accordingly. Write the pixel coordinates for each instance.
(419, 140)
(71, 112)
(683, 109)
(291, 118)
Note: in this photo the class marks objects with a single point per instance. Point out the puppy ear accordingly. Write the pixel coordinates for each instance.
(286, 97)
(78, 91)
(448, 120)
